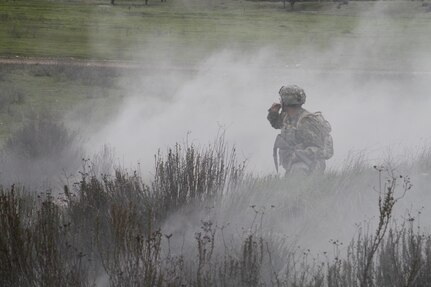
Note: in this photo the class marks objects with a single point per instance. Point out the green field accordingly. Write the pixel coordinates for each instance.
(54, 89)
(131, 32)
(180, 34)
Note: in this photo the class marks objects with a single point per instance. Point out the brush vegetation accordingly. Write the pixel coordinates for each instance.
(113, 228)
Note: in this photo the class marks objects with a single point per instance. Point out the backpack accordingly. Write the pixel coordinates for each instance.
(328, 145)
(328, 148)
(325, 124)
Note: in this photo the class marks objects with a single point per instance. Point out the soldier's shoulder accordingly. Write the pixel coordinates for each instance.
(307, 117)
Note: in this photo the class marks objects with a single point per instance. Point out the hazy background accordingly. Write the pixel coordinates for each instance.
(371, 86)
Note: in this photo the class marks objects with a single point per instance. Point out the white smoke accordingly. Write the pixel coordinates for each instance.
(371, 86)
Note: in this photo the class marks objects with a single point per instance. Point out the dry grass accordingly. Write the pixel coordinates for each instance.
(112, 225)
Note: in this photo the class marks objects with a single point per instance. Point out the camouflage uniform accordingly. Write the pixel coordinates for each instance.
(306, 136)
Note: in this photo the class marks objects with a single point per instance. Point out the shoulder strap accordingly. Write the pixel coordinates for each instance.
(303, 115)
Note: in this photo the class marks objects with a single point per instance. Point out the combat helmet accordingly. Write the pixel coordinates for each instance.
(292, 95)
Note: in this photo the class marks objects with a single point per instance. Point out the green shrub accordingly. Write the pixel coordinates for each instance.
(43, 136)
(39, 152)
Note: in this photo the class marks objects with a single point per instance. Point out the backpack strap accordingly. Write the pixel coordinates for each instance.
(303, 115)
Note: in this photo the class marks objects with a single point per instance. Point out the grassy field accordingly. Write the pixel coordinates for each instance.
(32, 28)
(57, 90)
(178, 33)
(130, 32)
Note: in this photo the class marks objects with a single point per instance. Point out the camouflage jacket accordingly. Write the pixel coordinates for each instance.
(312, 135)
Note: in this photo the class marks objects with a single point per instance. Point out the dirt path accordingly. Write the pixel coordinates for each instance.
(67, 61)
(126, 65)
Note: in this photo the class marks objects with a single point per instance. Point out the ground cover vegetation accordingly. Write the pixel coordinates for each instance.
(96, 31)
(105, 32)
(116, 229)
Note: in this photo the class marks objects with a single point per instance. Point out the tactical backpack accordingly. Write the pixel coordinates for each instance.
(283, 142)
(326, 133)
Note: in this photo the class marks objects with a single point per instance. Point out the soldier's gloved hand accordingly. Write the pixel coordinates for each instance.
(275, 107)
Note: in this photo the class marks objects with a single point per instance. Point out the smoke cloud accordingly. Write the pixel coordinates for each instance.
(371, 86)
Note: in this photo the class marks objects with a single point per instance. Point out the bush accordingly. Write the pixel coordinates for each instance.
(113, 226)
(188, 174)
(36, 246)
(39, 151)
(43, 136)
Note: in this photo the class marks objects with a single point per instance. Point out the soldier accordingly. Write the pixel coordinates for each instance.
(304, 142)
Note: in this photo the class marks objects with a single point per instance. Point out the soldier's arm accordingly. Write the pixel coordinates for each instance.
(275, 119)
